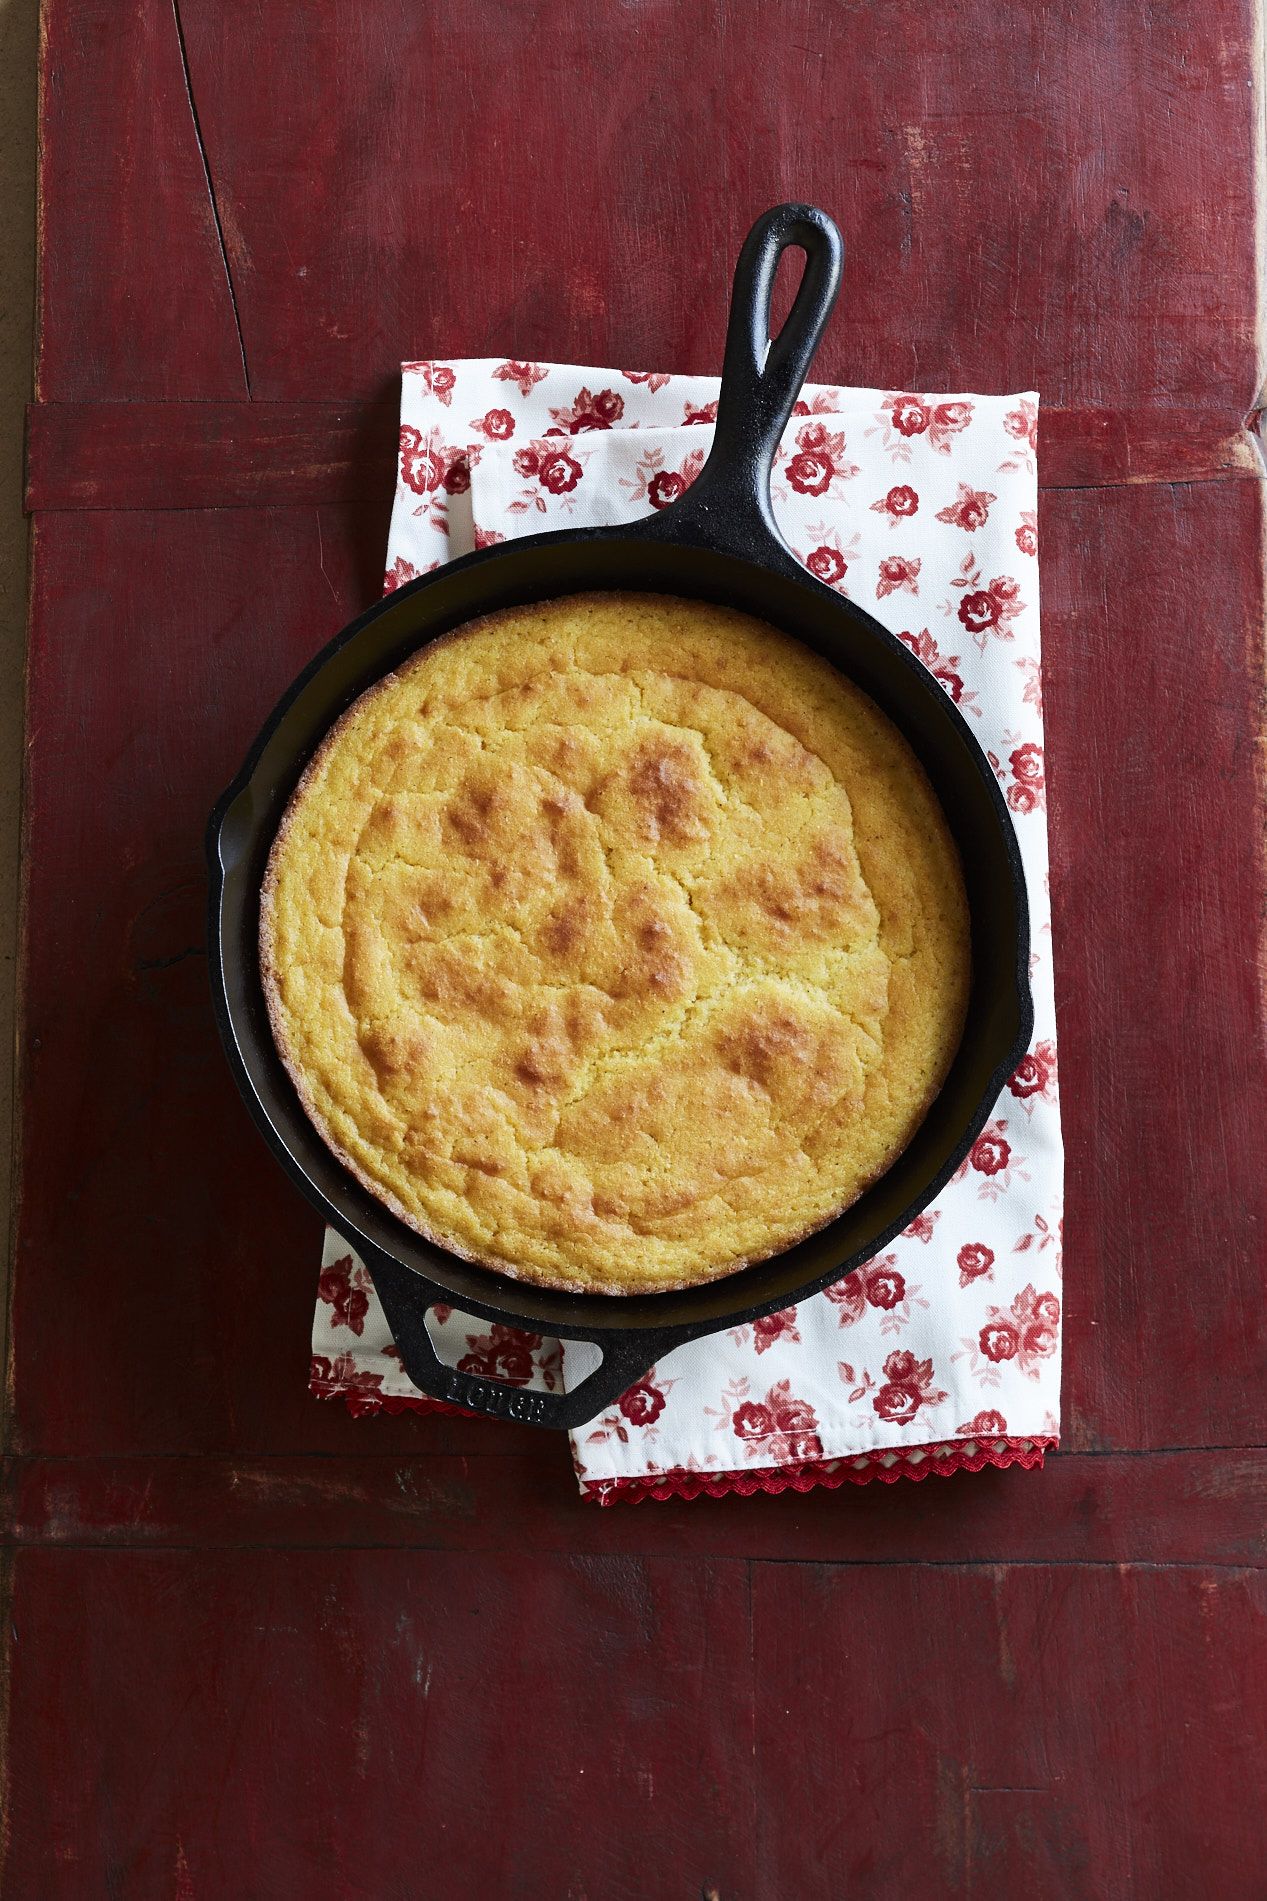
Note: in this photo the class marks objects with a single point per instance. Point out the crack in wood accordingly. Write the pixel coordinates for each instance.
(211, 190)
(177, 957)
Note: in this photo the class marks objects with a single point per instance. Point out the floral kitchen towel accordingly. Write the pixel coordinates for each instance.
(944, 1351)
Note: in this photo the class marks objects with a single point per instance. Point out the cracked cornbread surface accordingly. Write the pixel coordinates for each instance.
(615, 942)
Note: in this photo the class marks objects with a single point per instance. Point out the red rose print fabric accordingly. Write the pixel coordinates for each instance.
(943, 1353)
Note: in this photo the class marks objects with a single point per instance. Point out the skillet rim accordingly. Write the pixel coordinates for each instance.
(603, 1313)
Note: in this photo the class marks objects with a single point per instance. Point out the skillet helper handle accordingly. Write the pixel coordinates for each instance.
(406, 1296)
(728, 505)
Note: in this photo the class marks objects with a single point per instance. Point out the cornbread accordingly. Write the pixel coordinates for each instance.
(615, 942)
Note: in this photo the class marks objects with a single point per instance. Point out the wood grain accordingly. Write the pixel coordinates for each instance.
(1050, 194)
(18, 40)
(134, 300)
(259, 1647)
(939, 1741)
(395, 1724)
(384, 1727)
(1060, 196)
(1152, 681)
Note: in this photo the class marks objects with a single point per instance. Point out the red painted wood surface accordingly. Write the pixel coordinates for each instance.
(340, 1723)
(257, 1647)
(1019, 1781)
(1065, 189)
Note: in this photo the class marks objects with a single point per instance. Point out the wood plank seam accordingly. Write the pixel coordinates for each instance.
(1182, 1508)
(1226, 1568)
(167, 457)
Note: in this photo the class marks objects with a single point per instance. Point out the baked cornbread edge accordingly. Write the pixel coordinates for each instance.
(447, 1242)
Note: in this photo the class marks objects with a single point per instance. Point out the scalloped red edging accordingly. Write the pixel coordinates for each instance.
(965, 1455)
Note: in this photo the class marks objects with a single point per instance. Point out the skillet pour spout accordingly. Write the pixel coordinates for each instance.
(717, 542)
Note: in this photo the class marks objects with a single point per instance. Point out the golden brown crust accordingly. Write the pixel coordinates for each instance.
(615, 942)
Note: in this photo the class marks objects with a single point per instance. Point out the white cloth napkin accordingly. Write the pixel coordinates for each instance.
(944, 1351)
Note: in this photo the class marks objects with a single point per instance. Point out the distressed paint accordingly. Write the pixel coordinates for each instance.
(388, 1652)
(1130, 1776)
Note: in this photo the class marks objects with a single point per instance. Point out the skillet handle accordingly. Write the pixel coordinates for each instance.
(406, 1296)
(728, 505)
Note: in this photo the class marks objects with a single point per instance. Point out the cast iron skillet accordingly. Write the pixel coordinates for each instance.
(718, 542)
